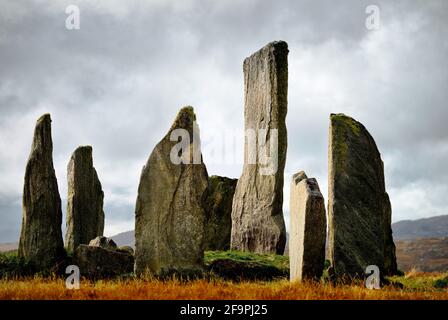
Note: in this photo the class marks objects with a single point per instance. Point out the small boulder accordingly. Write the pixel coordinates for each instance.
(96, 262)
(103, 242)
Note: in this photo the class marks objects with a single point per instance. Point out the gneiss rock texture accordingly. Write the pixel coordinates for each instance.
(218, 226)
(85, 215)
(170, 210)
(257, 216)
(308, 229)
(41, 236)
(359, 209)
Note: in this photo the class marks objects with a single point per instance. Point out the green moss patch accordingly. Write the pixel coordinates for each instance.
(236, 265)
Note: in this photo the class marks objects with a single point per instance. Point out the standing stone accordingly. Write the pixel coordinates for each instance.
(257, 215)
(308, 229)
(219, 213)
(41, 236)
(170, 211)
(359, 209)
(85, 215)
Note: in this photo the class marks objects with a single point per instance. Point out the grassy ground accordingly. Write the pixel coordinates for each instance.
(45, 288)
(413, 285)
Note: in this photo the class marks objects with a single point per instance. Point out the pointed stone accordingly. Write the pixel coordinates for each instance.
(359, 209)
(257, 215)
(170, 210)
(41, 236)
(218, 226)
(85, 215)
(308, 229)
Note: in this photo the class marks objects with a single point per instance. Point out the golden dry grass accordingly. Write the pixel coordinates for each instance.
(54, 289)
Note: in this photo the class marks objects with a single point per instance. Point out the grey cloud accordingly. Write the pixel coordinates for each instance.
(118, 82)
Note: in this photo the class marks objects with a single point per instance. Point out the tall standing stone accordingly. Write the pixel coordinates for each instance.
(308, 229)
(85, 215)
(41, 236)
(170, 210)
(359, 209)
(219, 213)
(257, 215)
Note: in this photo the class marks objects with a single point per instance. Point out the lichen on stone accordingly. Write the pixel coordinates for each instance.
(184, 119)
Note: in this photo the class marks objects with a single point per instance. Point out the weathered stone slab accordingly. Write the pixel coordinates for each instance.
(257, 216)
(85, 215)
(41, 236)
(218, 226)
(170, 211)
(96, 262)
(308, 229)
(359, 209)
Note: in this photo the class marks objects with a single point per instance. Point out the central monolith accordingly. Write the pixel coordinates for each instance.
(170, 212)
(257, 216)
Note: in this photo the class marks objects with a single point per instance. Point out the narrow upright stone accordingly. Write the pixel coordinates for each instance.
(85, 215)
(359, 209)
(219, 213)
(170, 212)
(308, 229)
(41, 236)
(257, 216)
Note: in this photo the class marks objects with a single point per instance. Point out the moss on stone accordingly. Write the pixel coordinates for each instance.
(188, 110)
(343, 127)
(348, 122)
(184, 119)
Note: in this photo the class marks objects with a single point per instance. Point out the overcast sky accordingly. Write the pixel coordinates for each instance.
(118, 82)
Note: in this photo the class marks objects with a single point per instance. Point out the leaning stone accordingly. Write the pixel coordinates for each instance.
(257, 214)
(308, 229)
(96, 262)
(41, 236)
(359, 209)
(85, 215)
(219, 213)
(103, 242)
(170, 210)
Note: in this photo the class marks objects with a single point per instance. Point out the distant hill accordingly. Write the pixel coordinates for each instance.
(427, 254)
(434, 227)
(4, 247)
(125, 239)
